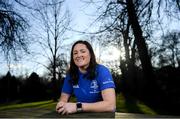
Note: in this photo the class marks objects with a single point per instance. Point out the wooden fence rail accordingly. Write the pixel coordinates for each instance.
(47, 113)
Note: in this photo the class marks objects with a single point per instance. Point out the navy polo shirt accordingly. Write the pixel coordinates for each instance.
(89, 90)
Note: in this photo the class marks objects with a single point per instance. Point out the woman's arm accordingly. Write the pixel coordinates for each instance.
(64, 97)
(107, 105)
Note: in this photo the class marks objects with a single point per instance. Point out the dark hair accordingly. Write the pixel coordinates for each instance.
(73, 71)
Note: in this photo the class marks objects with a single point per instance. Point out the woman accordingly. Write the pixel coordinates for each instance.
(91, 83)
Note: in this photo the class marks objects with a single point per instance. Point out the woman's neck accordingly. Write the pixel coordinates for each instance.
(82, 70)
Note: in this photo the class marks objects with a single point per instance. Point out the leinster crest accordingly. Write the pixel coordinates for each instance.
(94, 87)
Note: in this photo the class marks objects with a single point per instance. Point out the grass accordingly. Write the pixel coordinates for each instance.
(120, 105)
(137, 107)
(41, 104)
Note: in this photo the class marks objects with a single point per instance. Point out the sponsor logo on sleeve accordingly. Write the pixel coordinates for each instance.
(76, 86)
(108, 81)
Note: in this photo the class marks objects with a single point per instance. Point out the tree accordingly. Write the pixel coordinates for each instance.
(13, 29)
(130, 22)
(9, 86)
(122, 24)
(53, 21)
(33, 89)
(169, 50)
(61, 68)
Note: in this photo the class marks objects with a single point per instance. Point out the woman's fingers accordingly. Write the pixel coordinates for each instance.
(60, 110)
(64, 112)
(66, 108)
(59, 105)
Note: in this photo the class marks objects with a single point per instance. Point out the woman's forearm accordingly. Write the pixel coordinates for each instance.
(107, 105)
(102, 106)
(64, 97)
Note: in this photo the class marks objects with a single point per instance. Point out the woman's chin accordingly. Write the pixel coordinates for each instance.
(83, 67)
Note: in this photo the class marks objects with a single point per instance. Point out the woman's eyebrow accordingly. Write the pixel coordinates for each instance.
(82, 49)
(79, 50)
(74, 50)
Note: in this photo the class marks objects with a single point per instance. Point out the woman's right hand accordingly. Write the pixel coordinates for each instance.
(62, 101)
(59, 106)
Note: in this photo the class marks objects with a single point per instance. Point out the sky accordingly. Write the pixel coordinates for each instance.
(82, 17)
(81, 14)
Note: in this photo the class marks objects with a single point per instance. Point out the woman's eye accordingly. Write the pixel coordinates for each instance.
(83, 51)
(74, 53)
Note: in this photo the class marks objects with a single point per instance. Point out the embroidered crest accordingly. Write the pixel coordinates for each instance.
(94, 86)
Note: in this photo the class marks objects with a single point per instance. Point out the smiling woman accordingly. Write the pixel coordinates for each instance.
(91, 83)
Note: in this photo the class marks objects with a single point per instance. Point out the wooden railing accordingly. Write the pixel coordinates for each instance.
(79, 115)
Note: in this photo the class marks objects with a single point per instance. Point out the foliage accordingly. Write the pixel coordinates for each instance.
(13, 29)
(61, 67)
(9, 87)
(33, 88)
(170, 49)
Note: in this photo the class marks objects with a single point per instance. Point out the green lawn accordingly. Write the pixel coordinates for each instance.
(41, 104)
(121, 106)
(139, 107)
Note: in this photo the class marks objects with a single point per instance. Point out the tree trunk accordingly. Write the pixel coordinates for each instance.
(54, 80)
(150, 90)
(140, 41)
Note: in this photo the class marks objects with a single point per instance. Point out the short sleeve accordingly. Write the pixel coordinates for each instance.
(104, 78)
(67, 86)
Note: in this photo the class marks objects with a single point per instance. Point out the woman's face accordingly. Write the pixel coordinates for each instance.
(81, 56)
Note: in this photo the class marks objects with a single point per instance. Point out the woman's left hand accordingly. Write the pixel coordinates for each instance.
(69, 108)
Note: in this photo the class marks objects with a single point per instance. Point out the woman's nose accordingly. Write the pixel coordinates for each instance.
(78, 54)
